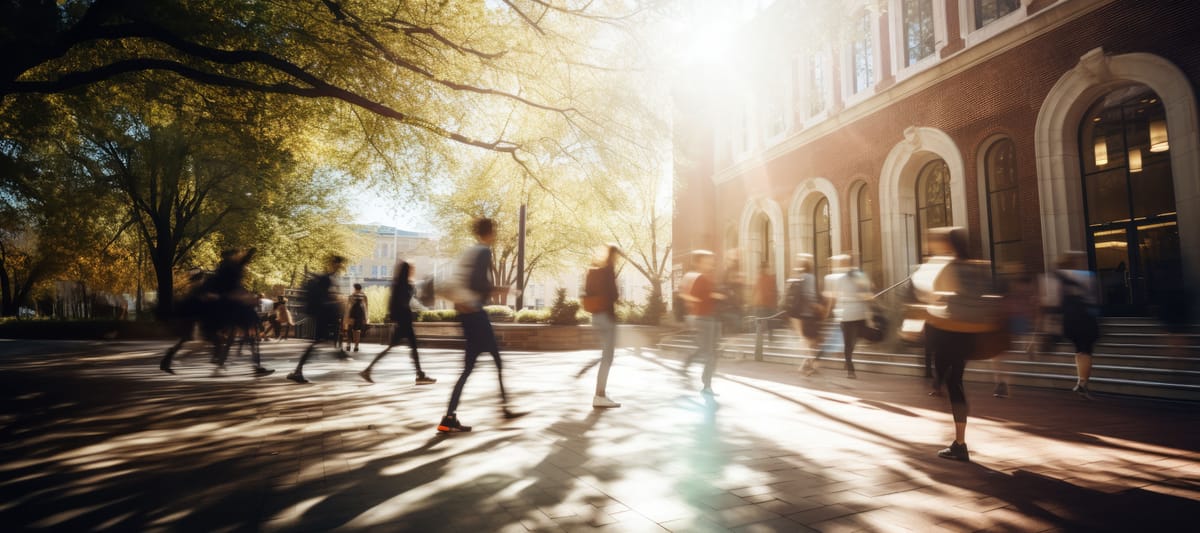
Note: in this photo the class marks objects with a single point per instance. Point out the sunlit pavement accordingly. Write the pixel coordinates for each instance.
(96, 438)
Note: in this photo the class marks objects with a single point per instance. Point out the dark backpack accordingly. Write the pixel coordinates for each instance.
(796, 302)
(1073, 305)
(316, 293)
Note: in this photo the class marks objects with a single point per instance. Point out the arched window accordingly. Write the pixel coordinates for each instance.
(1003, 203)
(933, 201)
(822, 238)
(868, 236)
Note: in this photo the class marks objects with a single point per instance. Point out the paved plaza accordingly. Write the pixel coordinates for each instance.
(96, 438)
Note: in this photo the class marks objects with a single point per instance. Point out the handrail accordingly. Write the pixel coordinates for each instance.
(893, 286)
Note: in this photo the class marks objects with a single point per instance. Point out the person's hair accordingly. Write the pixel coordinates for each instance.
(1071, 260)
(482, 227)
(606, 255)
(358, 286)
(402, 271)
(804, 262)
(956, 237)
(700, 255)
(282, 299)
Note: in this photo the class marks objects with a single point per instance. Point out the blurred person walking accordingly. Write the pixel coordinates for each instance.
(848, 293)
(962, 325)
(401, 315)
(700, 294)
(474, 287)
(283, 319)
(1080, 314)
(806, 310)
(600, 300)
(356, 316)
(323, 308)
(765, 299)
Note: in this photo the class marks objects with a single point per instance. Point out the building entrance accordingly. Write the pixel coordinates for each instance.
(1129, 201)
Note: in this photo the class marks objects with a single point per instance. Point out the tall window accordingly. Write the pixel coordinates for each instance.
(918, 29)
(1004, 217)
(868, 237)
(862, 54)
(816, 84)
(773, 109)
(933, 201)
(987, 11)
(822, 238)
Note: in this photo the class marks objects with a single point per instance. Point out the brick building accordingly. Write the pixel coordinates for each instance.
(1043, 126)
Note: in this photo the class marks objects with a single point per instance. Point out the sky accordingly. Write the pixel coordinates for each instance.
(373, 206)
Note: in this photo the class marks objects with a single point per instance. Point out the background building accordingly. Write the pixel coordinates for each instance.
(1043, 126)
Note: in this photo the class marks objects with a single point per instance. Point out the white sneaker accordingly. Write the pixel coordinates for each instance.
(603, 401)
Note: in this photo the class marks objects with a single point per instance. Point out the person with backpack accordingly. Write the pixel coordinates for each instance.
(323, 309)
(473, 288)
(848, 292)
(805, 309)
(1079, 314)
(600, 299)
(356, 316)
(401, 315)
(962, 325)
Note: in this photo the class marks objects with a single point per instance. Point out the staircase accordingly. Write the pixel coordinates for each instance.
(1134, 356)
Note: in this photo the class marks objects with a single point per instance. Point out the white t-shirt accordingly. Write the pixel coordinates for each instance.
(852, 291)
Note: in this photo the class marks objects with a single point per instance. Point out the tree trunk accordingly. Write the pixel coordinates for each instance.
(165, 276)
(7, 305)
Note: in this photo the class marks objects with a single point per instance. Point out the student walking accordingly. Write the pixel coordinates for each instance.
(356, 316)
(601, 289)
(959, 325)
(848, 292)
(1079, 314)
(322, 306)
(474, 288)
(283, 317)
(805, 309)
(401, 315)
(700, 294)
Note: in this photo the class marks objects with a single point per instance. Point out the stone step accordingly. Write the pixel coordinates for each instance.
(1141, 374)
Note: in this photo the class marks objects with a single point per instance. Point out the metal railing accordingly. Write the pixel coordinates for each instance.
(891, 299)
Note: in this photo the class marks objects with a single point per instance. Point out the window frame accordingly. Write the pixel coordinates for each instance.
(899, 52)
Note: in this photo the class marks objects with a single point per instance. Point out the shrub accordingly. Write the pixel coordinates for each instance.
(628, 312)
(377, 303)
(499, 313)
(83, 329)
(563, 312)
(532, 316)
(437, 315)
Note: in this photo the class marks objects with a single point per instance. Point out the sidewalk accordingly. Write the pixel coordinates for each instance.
(95, 437)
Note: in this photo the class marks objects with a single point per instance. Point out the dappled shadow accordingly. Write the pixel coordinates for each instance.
(104, 442)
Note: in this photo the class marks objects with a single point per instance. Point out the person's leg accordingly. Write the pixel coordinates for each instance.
(607, 327)
(469, 359)
(850, 332)
(952, 363)
(708, 340)
(413, 353)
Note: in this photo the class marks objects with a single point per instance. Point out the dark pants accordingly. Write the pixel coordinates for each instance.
(850, 332)
(477, 330)
(950, 351)
(325, 329)
(401, 332)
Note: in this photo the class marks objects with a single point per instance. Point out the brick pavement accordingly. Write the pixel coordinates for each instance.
(94, 437)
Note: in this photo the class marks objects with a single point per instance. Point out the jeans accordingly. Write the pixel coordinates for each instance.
(606, 326)
(706, 343)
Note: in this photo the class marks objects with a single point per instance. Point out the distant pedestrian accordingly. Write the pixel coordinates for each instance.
(323, 309)
(474, 287)
(732, 287)
(806, 309)
(848, 292)
(765, 299)
(401, 315)
(700, 293)
(283, 319)
(356, 315)
(1079, 314)
(601, 285)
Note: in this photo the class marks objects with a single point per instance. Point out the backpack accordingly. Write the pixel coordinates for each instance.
(1073, 305)
(796, 300)
(358, 308)
(593, 299)
(315, 295)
